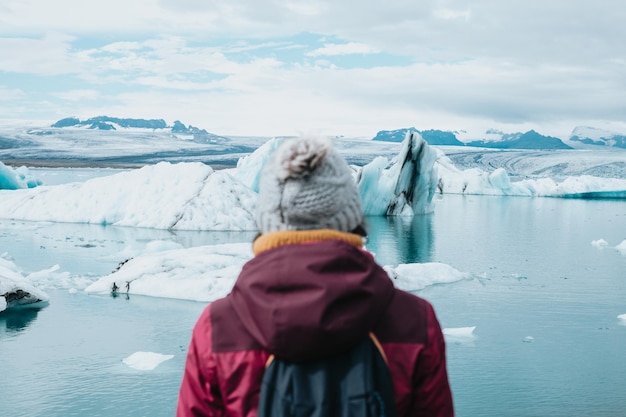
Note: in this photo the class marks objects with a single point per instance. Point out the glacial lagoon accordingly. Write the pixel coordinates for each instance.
(544, 296)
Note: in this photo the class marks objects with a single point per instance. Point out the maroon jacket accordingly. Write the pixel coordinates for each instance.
(305, 301)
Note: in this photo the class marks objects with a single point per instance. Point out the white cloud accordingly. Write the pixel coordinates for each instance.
(7, 95)
(333, 49)
(78, 95)
(449, 14)
(47, 55)
(432, 64)
(305, 8)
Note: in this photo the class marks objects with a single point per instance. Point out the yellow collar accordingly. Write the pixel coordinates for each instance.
(273, 240)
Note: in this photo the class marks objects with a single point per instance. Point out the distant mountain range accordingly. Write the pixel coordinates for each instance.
(594, 136)
(433, 137)
(114, 123)
(528, 140)
(495, 139)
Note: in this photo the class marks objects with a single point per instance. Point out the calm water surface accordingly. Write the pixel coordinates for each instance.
(543, 299)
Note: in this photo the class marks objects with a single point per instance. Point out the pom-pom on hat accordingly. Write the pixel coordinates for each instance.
(307, 185)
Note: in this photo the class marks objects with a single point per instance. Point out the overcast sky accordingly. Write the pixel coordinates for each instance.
(261, 67)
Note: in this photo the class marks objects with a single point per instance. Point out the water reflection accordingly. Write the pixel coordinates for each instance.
(115, 294)
(17, 320)
(401, 239)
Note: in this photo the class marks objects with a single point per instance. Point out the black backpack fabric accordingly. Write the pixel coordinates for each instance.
(353, 384)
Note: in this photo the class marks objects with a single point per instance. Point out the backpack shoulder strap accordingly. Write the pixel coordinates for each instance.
(378, 346)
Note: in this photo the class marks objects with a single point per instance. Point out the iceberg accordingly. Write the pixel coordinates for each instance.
(475, 181)
(249, 167)
(15, 179)
(202, 273)
(184, 196)
(206, 273)
(406, 187)
(193, 196)
(16, 291)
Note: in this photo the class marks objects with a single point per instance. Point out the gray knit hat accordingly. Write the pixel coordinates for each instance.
(307, 185)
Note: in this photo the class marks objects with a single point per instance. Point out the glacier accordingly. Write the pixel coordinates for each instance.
(193, 196)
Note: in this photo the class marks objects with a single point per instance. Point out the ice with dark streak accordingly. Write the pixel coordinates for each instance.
(411, 175)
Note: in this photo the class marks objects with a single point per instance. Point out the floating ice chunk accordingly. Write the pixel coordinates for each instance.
(600, 243)
(528, 339)
(460, 335)
(17, 291)
(459, 331)
(146, 361)
(417, 276)
(622, 319)
(622, 247)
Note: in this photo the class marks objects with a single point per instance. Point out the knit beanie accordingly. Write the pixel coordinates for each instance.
(306, 185)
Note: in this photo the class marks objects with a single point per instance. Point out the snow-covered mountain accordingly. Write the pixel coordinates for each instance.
(432, 137)
(114, 123)
(527, 140)
(111, 141)
(105, 141)
(598, 137)
(491, 139)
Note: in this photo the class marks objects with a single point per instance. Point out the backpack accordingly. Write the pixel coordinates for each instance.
(356, 383)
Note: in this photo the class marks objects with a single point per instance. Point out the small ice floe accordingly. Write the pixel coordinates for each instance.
(622, 319)
(16, 290)
(519, 277)
(622, 247)
(460, 335)
(528, 339)
(145, 361)
(600, 243)
(417, 276)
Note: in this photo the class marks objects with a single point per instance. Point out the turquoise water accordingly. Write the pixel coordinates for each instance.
(543, 299)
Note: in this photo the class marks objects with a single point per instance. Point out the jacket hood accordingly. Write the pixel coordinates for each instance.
(310, 300)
